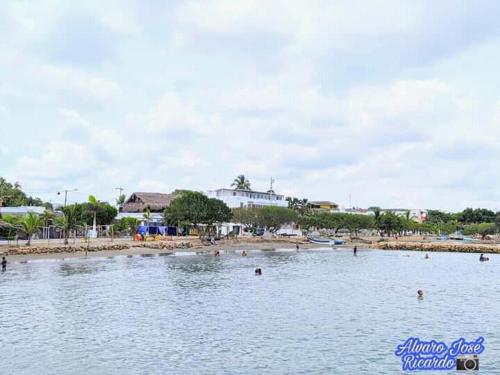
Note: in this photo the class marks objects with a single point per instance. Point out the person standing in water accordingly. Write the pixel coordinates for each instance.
(4, 264)
(297, 246)
(355, 250)
(420, 294)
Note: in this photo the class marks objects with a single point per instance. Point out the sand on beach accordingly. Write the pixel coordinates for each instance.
(153, 247)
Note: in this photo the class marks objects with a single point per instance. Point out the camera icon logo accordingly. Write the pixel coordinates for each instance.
(468, 363)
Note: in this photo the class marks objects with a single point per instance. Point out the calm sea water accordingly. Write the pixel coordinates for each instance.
(321, 312)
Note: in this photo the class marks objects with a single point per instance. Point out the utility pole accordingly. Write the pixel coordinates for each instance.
(120, 189)
(66, 194)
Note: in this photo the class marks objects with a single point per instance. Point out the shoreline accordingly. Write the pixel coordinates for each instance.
(24, 253)
(194, 245)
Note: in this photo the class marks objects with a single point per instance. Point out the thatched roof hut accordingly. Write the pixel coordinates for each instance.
(139, 202)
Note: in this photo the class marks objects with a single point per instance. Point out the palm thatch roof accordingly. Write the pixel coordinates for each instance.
(140, 201)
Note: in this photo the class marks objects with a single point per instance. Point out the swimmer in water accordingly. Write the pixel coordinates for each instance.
(482, 258)
(420, 294)
(258, 272)
(427, 256)
(243, 253)
(216, 253)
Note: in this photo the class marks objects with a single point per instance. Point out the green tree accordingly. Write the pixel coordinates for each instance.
(273, 217)
(390, 223)
(70, 220)
(376, 215)
(191, 207)
(120, 201)
(147, 218)
(356, 222)
(474, 216)
(47, 217)
(246, 216)
(13, 195)
(94, 204)
(483, 229)
(30, 225)
(241, 183)
(438, 217)
(301, 206)
(104, 213)
(126, 224)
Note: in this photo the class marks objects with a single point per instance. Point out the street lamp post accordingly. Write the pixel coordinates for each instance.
(66, 191)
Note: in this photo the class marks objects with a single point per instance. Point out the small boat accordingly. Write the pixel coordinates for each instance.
(325, 241)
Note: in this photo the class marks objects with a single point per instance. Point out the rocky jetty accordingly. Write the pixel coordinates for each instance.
(441, 246)
(28, 250)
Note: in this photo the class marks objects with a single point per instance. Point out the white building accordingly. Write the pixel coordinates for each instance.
(248, 198)
(416, 214)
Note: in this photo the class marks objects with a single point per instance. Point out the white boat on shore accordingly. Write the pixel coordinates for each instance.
(325, 241)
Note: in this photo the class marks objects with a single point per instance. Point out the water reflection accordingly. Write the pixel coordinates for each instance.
(70, 269)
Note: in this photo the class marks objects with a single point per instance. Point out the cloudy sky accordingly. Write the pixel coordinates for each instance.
(394, 102)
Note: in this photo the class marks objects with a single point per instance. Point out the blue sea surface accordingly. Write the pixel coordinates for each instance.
(317, 312)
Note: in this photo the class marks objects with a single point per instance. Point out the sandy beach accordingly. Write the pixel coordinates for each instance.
(106, 248)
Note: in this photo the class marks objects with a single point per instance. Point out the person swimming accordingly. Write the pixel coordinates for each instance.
(427, 256)
(216, 253)
(244, 253)
(420, 294)
(4, 264)
(482, 258)
(258, 272)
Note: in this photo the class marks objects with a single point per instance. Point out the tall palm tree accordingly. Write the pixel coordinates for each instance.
(47, 219)
(94, 206)
(120, 201)
(30, 224)
(147, 217)
(241, 183)
(69, 220)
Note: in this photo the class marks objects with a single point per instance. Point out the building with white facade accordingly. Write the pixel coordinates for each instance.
(248, 198)
(416, 214)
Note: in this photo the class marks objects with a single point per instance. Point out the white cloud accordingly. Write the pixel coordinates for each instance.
(328, 97)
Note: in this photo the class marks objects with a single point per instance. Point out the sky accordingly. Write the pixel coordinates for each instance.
(392, 103)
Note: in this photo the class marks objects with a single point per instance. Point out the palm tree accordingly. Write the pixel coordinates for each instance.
(147, 218)
(120, 201)
(94, 206)
(29, 225)
(69, 220)
(47, 219)
(241, 183)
